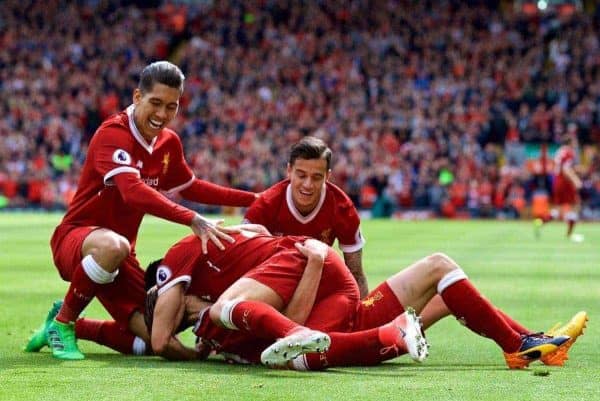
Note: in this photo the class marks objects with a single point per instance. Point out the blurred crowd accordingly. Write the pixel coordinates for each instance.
(432, 105)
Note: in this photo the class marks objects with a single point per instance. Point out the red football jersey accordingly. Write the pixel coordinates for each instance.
(208, 276)
(257, 256)
(565, 156)
(334, 217)
(563, 189)
(118, 147)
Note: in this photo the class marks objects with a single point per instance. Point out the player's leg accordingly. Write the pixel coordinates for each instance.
(110, 334)
(416, 285)
(87, 257)
(436, 310)
(123, 299)
(369, 347)
(252, 306)
(572, 216)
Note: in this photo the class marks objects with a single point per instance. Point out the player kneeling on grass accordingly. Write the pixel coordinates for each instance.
(435, 285)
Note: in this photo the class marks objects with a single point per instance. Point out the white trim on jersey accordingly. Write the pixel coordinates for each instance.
(136, 133)
(360, 243)
(296, 213)
(180, 187)
(187, 279)
(119, 170)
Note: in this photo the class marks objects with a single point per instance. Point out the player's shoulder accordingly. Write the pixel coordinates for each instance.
(275, 192)
(339, 203)
(114, 127)
(338, 194)
(116, 121)
(168, 134)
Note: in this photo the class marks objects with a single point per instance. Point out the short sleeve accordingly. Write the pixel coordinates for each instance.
(178, 264)
(348, 227)
(111, 151)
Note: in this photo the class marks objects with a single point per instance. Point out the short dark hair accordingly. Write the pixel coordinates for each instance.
(152, 297)
(163, 72)
(150, 275)
(308, 148)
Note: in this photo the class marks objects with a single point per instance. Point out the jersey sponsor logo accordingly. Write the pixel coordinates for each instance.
(151, 181)
(165, 163)
(162, 275)
(121, 157)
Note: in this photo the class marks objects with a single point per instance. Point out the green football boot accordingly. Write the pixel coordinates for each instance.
(62, 341)
(38, 339)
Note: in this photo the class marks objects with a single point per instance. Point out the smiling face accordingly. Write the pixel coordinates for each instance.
(307, 181)
(155, 109)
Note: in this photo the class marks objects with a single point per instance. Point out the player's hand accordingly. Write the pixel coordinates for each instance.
(313, 249)
(203, 349)
(209, 229)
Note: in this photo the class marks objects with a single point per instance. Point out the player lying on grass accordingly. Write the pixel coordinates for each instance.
(270, 269)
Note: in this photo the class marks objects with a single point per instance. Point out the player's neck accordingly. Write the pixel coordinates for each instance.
(305, 210)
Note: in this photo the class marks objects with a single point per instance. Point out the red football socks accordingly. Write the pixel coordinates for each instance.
(80, 293)
(261, 320)
(361, 348)
(105, 332)
(479, 315)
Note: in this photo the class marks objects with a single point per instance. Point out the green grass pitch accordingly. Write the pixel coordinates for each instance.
(539, 282)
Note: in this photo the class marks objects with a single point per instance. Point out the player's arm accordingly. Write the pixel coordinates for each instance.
(142, 197)
(303, 299)
(212, 194)
(354, 262)
(570, 173)
(168, 312)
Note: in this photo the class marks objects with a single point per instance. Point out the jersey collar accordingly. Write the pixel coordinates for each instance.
(136, 133)
(296, 213)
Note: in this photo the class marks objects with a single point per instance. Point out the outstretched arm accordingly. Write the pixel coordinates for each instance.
(212, 194)
(144, 198)
(354, 262)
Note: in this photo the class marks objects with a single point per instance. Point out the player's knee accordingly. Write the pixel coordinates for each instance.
(115, 248)
(440, 264)
(215, 313)
(221, 313)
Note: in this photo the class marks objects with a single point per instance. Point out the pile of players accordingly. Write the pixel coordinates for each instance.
(271, 290)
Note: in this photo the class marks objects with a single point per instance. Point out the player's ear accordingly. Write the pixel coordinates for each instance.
(137, 96)
(327, 175)
(289, 170)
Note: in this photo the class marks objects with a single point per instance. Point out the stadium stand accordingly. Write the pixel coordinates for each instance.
(441, 106)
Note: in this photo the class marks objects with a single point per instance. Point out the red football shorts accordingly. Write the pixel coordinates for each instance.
(120, 298)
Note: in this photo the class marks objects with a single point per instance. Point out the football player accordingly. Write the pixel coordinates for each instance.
(275, 266)
(307, 203)
(133, 160)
